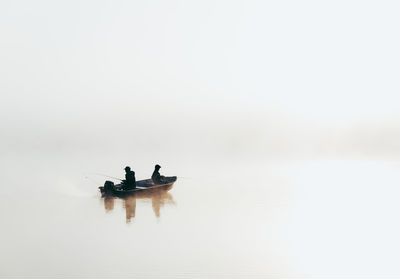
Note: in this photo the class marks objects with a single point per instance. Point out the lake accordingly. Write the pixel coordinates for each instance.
(222, 219)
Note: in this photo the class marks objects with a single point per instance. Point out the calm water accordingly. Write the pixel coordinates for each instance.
(299, 219)
(231, 97)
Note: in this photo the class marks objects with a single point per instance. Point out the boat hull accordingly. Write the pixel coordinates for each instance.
(142, 186)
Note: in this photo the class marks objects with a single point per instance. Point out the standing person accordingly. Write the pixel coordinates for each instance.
(130, 180)
(156, 176)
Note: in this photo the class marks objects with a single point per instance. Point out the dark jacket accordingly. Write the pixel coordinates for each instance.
(130, 180)
(156, 177)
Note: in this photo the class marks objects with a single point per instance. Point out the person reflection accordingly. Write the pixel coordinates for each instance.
(130, 208)
(158, 199)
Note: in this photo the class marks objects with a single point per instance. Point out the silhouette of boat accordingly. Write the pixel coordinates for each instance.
(142, 186)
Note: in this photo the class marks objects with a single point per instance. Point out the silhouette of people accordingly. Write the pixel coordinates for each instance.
(130, 180)
(156, 177)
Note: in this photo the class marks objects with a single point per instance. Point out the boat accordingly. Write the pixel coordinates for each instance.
(142, 186)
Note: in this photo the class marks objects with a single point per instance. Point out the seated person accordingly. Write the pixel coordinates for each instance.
(156, 177)
(130, 180)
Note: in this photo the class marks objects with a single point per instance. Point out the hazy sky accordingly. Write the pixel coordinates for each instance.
(215, 91)
(271, 68)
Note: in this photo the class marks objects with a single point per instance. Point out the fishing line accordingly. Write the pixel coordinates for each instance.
(101, 174)
(92, 180)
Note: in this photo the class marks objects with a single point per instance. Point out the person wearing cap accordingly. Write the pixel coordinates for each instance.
(130, 180)
(156, 177)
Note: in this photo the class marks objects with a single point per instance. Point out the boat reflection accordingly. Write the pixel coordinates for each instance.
(158, 197)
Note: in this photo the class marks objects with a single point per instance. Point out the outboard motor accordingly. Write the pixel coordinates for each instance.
(108, 186)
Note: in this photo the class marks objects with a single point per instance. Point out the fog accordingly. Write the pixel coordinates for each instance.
(264, 77)
(244, 79)
(280, 118)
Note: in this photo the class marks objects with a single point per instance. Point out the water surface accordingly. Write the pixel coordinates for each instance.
(298, 219)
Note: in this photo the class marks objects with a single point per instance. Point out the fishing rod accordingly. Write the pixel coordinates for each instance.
(101, 174)
(92, 180)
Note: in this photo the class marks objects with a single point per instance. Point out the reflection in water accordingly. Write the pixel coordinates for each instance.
(108, 203)
(159, 197)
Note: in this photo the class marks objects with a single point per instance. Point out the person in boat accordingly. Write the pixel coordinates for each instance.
(130, 180)
(156, 176)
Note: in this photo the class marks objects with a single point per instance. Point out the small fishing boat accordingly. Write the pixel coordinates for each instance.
(145, 185)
